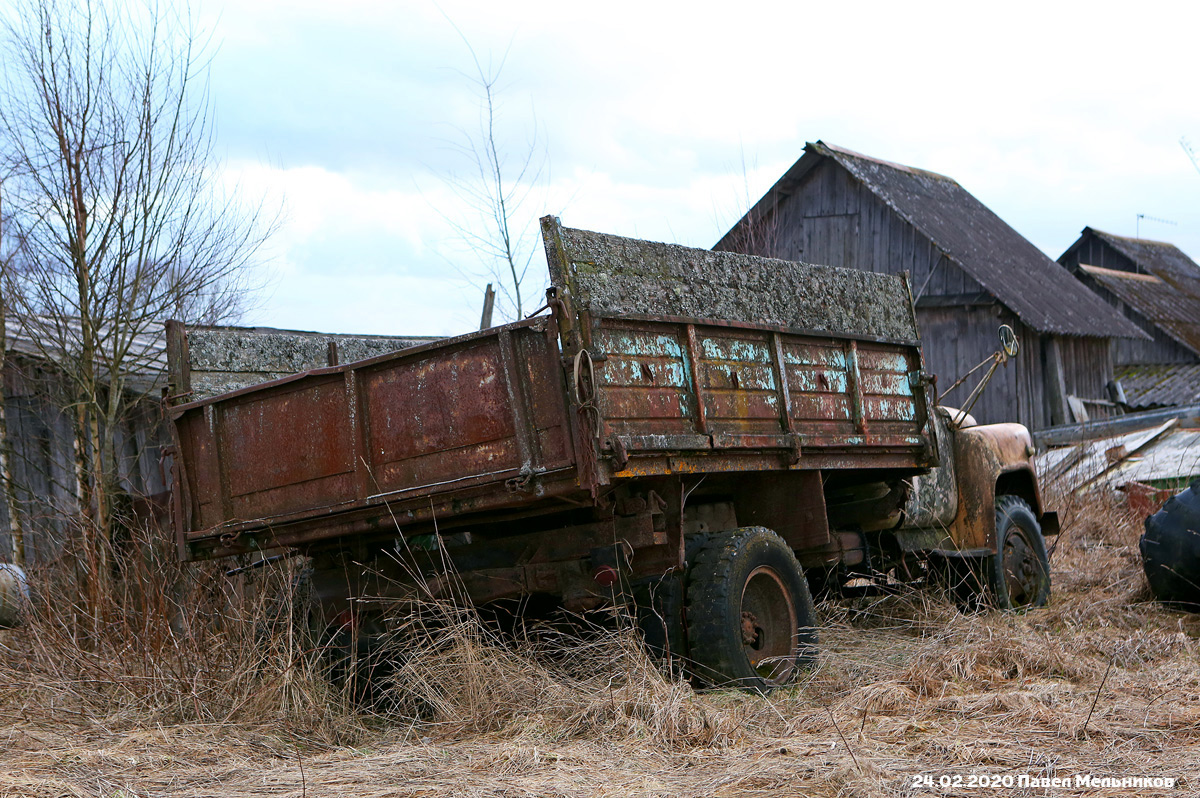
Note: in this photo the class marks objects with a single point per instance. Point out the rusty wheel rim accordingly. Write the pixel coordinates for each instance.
(768, 625)
(1022, 575)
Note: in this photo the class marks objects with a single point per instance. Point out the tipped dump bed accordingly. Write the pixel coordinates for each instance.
(610, 276)
(656, 359)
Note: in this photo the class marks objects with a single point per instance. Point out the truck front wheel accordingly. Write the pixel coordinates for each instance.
(1019, 571)
(750, 617)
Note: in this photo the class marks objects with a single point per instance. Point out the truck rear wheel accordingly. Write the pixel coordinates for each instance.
(1019, 571)
(750, 618)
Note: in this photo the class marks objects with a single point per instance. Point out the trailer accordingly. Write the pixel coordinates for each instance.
(698, 436)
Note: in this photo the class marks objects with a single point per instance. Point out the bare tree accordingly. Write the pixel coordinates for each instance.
(495, 189)
(758, 231)
(114, 219)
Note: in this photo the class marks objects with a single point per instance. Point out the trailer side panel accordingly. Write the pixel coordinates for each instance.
(484, 408)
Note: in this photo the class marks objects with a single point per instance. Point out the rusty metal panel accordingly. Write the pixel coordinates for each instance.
(438, 417)
(471, 413)
(201, 502)
(737, 378)
(890, 405)
(817, 376)
(645, 379)
(681, 387)
(286, 447)
(537, 356)
(790, 503)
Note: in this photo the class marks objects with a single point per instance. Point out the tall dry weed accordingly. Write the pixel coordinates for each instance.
(163, 642)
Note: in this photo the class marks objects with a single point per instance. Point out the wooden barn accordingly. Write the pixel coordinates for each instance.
(1157, 287)
(970, 272)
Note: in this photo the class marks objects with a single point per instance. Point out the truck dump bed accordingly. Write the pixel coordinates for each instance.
(654, 359)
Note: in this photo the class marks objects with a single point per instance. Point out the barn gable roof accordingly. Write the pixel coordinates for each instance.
(1165, 288)
(1042, 293)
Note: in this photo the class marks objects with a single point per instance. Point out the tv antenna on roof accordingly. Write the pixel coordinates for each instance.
(1141, 216)
(1191, 153)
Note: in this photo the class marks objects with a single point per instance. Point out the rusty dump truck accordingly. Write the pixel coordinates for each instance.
(701, 437)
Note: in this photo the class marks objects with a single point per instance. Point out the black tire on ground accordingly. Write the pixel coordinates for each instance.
(1170, 550)
(1018, 574)
(750, 618)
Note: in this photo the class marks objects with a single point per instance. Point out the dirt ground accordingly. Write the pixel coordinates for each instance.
(910, 698)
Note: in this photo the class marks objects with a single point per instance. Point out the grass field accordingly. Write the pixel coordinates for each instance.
(1101, 683)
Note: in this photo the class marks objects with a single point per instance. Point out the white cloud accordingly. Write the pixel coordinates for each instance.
(1054, 117)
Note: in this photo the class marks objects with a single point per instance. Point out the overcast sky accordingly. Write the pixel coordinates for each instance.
(664, 121)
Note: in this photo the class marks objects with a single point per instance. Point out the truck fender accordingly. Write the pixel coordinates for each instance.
(989, 459)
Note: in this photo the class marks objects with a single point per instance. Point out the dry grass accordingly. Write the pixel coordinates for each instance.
(164, 644)
(1100, 682)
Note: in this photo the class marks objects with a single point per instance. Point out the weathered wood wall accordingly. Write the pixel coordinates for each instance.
(1095, 252)
(1161, 348)
(42, 439)
(954, 344)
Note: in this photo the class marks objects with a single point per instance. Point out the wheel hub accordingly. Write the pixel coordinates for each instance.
(1021, 573)
(768, 627)
(752, 633)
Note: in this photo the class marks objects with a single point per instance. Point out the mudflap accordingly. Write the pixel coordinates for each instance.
(659, 605)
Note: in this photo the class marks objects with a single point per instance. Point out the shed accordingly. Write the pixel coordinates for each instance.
(1157, 287)
(970, 272)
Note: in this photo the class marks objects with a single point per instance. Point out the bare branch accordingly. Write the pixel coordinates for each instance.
(495, 190)
(114, 217)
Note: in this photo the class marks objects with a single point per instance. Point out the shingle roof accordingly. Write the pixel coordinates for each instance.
(1160, 384)
(1166, 288)
(1042, 293)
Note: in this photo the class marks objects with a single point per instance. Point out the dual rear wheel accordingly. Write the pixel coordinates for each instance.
(750, 617)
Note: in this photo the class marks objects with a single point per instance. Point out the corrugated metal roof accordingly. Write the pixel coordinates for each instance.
(1171, 300)
(1160, 384)
(1168, 452)
(1042, 293)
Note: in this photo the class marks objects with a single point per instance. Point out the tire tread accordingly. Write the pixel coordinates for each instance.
(708, 594)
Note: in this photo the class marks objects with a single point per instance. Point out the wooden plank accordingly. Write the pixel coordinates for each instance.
(179, 367)
(1056, 386)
